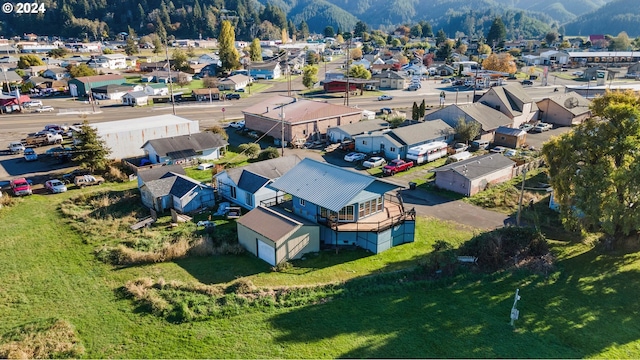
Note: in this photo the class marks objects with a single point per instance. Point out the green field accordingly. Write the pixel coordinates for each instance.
(587, 307)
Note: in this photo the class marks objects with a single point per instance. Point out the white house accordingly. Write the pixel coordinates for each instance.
(248, 186)
(159, 89)
(209, 58)
(364, 62)
(126, 137)
(56, 73)
(135, 98)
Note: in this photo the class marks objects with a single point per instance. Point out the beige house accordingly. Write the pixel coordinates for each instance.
(469, 177)
(300, 120)
(512, 101)
(277, 236)
(564, 109)
(488, 118)
(234, 82)
(390, 80)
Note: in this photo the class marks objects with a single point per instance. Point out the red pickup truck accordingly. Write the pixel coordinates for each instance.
(20, 187)
(396, 166)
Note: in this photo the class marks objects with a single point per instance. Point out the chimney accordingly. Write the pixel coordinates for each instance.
(267, 109)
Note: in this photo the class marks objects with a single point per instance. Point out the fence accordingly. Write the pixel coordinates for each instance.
(528, 166)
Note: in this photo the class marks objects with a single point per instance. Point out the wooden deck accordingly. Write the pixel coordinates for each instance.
(391, 215)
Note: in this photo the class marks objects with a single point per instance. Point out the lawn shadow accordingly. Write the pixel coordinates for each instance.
(218, 269)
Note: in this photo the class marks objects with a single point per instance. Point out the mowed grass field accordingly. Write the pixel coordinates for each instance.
(587, 307)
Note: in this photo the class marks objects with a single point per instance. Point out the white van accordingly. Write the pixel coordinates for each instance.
(480, 144)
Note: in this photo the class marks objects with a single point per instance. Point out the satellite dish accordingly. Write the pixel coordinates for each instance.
(571, 102)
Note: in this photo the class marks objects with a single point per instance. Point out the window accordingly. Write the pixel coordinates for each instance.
(304, 132)
(248, 199)
(392, 149)
(346, 213)
(233, 192)
(302, 202)
(369, 207)
(364, 142)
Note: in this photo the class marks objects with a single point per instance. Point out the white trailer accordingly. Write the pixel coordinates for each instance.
(427, 152)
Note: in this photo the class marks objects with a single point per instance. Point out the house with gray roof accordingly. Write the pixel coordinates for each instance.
(56, 73)
(564, 109)
(114, 91)
(488, 118)
(349, 131)
(390, 80)
(185, 148)
(249, 185)
(178, 192)
(346, 207)
(469, 177)
(135, 98)
(513, 101)
(233, 82)
(155, 173)
(394, 143)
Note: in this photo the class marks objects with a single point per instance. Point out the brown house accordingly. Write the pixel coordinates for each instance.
(300, 119)
(206, 94)
(564, 109)
(509, 137)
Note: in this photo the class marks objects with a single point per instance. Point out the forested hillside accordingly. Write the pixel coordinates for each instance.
(614, 17)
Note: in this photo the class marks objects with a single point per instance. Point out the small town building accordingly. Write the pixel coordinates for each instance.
(564, 109)
(80, 86)
(469, 177)
(184, 149)
(135, 98)
(510, 137)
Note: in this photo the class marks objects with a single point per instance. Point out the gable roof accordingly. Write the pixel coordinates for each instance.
(487, 116)
(158, 172)
(136, 94)
(572, 102)
(268, 169)
(235, 79)
(298, 110)
(97, 78)
(416, 133)
(182, 184)
(510, 131)
(327, 185)
(111, 88)
(513, 97)
(264, 65)
(178, 145)
(251, 182)
(478, 166)
(158, 85)
(360, 127)
(269, 223)
(388, 74)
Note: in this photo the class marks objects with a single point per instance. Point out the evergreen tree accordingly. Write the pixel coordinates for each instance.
(26, 61)
(91, 152)
(423, 109)
(131, 47)
(415, 112)
(227, 51)
(497, 33)
(440, 37)
(304, 30)
(328, 31)
(360, 28)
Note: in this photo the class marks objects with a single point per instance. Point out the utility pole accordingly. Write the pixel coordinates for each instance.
(347, 57)
(173, 100)
(524, 177)
(282, 127)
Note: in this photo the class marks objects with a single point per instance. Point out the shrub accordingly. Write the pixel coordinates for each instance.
(250, 150)
(281, 267)
(216, 129)
(269, 153)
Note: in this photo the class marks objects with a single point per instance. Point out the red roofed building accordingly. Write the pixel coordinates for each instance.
(304, 120)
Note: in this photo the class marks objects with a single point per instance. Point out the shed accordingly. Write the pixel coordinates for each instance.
(275, 236)
(136, 98)
(469, 177)
(509, 137)
(184, 148)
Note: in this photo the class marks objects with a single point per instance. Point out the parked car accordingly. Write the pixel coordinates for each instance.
(87, 180)
(460, 147)
(32, 103)
(396, 166)
(237, 124)
(385, 97)
(527, 82)
(16, 147)
(45, 109)
(348, 145)
(232, 96)
(480, 145)
(68, 177)
(354, 156)
(205, 166)
(55, 186)
(374, 162)
(577, 73)
(445, 81)
(526, 127)
(239, 90)
(386, 110)
(542, 126)
(498, 149)
(30, 155)
(20, 187)
(511, 153)
(413, 87)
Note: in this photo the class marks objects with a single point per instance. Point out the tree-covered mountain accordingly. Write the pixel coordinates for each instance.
(560, 10)
(612, 18)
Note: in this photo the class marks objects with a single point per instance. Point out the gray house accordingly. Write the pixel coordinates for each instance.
(184, 148)
(390, 80)
(155, 173)
(394, 143)
(178, 192)
(247, 186)
(469, 177)
(565, 109)
(489, 118)
(349, 131)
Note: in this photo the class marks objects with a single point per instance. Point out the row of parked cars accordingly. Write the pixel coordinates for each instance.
(80, 178)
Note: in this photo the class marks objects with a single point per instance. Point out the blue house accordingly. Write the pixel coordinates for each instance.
(347, 207)
(266, 70)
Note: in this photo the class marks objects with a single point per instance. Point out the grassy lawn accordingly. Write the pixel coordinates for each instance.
(586, 308)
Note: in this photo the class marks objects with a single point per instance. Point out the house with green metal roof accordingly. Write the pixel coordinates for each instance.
(346, 207)
(80, 86)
